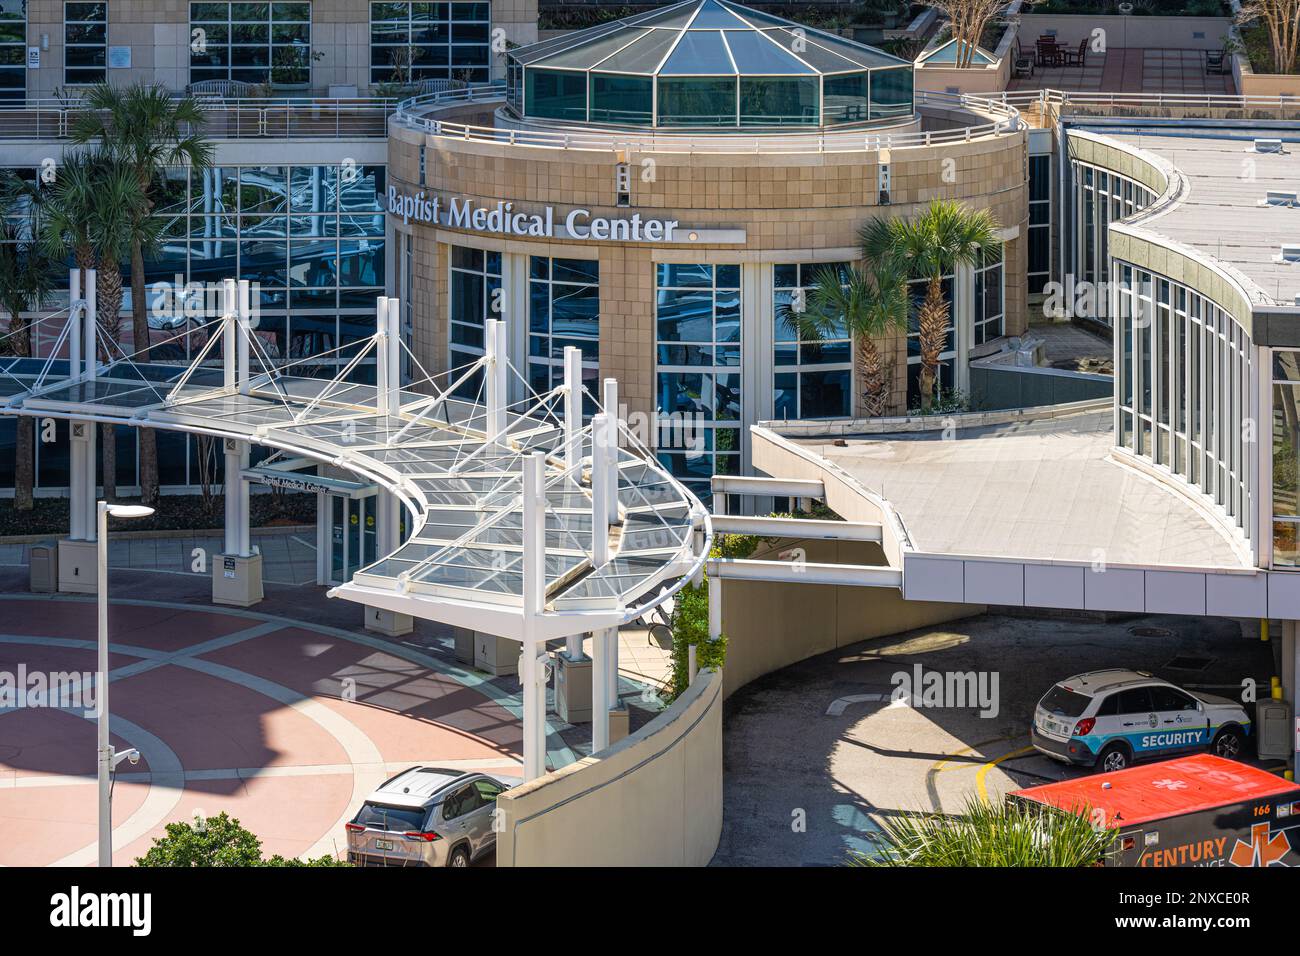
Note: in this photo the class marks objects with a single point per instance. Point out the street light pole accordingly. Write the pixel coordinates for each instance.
(105, 749)
(108, 758)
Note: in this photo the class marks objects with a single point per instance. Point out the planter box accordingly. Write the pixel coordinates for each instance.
(1250, 83)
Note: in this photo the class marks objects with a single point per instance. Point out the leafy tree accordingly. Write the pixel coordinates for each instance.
(945, 236)
(146, 129)
(26, 280)
(1281, 18)
(216, 841)
(94, 208)
(868, 304)
(986, 834)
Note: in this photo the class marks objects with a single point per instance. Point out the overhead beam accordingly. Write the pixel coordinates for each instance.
(816, 529)
(805, 572)
(783, 487)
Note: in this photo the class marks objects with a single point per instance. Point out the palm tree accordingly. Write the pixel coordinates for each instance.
(867, 304)
(94, 208)
(26, 280)
(947, 235)
(146, 129)
(1003, 834)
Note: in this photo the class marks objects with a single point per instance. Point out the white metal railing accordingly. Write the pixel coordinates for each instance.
(1154, 105)
(420, 113)
(227, 118)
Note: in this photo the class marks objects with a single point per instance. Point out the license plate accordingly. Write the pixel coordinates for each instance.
(384, 845)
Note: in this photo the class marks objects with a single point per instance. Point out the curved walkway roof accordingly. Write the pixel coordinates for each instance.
(463, 561)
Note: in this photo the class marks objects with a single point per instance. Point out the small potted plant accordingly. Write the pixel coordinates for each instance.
(291, 67)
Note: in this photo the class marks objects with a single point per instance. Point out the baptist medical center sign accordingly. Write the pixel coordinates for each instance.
(502, 219)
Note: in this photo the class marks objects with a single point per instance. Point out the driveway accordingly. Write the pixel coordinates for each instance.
(815, 755)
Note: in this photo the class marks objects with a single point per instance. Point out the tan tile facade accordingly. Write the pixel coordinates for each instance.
(793, 208)
(158, 33)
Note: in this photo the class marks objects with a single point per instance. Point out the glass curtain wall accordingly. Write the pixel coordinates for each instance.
(251, 42)
(1101, 197)
(1286, 459)
(474, 296)
(1184, 387)
(697, 381)
(13, 49)
(563, 311)
(85, 43)
(410, 42)
(811, 379)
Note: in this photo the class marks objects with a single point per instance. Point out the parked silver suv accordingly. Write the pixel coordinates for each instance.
(426, 816)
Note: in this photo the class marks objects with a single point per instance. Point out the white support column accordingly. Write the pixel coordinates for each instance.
(392, 358)
(600, 699)
(242, 371)
(245, 548)
(381, 352)
(229, 334)
(74, 323)
(532, 669)
(572, 403)
(91, 504)
(77, 492)
(600, 490)
(715, 607)
(234, 464)
(610, 400)
(495, 373)
(89, 338)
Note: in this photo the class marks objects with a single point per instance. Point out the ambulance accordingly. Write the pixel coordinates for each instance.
(1200, 810)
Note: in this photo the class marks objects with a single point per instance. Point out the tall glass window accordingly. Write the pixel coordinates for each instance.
(13, 49)
(85, 43)
(990, 309)
(1286, 459)
(696, 101)
(1100, 198)
(410, 42)
(891, 93)
(1039, 271)
(778, 101)
(811, 379)
(251, 42)
(563, 311)
(474, 297)
(625, 100)
(1184, 374)
(697, 382)
(556, 94)
(845, 98)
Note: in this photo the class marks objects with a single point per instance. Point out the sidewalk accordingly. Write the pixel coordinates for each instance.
(288, 555)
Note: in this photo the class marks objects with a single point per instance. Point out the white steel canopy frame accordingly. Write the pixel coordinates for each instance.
(528, 524)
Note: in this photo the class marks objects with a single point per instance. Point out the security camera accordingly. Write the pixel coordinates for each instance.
(134, 757)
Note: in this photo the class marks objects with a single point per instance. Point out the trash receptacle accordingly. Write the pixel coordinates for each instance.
(44, 561)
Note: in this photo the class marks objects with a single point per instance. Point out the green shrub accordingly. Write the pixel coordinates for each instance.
(216, 841)
(1005, 834)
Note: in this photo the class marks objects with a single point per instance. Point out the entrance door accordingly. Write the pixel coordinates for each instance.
(352, 536)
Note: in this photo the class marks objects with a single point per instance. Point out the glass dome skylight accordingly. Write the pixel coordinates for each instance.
(707, 63)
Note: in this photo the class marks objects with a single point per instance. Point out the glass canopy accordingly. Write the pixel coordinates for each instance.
(707, 64)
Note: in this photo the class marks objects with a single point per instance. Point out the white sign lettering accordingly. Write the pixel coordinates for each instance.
(503, 219)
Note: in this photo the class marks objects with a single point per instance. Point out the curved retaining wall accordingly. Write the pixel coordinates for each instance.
(652, 799)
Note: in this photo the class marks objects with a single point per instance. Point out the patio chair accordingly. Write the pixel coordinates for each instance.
(1216, 61)
(1049, 54)
(1077, 57)
(1023, 65)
